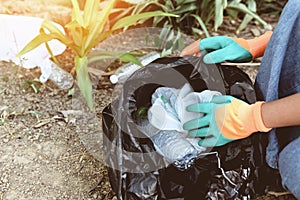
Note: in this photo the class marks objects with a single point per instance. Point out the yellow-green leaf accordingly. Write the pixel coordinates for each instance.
(90, 12)
(97, 40)
(219, 10)
(84, 82)
(52, 28)
(35, 42)
(126, 57)
(75, 32)
(98, 28)
(131, 20)
(76, 13)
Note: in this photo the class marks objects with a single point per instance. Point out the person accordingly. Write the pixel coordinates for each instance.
(277, 86)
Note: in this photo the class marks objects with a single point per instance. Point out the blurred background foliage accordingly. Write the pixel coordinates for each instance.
(198, 17)
(92, 22)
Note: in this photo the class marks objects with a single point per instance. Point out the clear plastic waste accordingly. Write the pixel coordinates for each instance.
(174, 147)
(125, 71)
(57, 75)
(168, 114)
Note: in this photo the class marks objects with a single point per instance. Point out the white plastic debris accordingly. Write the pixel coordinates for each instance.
(125, 71)
(168, 110)
(18, 31)
(168, 114)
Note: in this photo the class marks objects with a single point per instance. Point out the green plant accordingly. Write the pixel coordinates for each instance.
(33, 84)
(270, 6)
(196, 15)
(168, 41)
(85, 31)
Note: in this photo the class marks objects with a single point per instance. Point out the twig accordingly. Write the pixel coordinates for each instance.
(5, 135)
(277, 194)
(241, 64)
(109, 73)
(71, 156)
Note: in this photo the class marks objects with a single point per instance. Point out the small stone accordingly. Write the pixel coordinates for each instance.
(255, 32)
(95, 196)
(5, 140)
(4, 180)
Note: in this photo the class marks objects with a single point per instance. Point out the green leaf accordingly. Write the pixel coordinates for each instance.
(202, 25)
(157, 41)
(170, 36)
(169, 45)
(179, 2)
(218, 13)
(166, 52)
(241, 7)
(90, 12)
(178, 42)
(120, 13)
(127, 57)
(131, 20)
(247, 18)
(140, 7)
(76, 13)
(185, 8)
(84, 82)
(71, 92)
(124, 56)
(34, 87)
(163, 37)
(98, 28)
(52, 28)
(35, 42)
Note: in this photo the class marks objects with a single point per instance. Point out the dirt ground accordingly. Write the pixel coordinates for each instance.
(50, 147)
(42, 155)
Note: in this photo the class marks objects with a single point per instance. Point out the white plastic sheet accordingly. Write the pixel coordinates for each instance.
(16, 32)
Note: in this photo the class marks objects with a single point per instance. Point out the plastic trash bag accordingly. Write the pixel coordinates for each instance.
(137, 171)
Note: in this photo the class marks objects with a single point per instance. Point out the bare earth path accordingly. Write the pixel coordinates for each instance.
(41, 154)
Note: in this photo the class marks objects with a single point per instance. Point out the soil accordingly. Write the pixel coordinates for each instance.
(50, 145)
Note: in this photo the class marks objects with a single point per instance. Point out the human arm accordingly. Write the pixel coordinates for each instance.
(283, 112)
(224, 48)
(227, 118)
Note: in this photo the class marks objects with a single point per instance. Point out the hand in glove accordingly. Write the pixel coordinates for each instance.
(229, 49)
(226, 119)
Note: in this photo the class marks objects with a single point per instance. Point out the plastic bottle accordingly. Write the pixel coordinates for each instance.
(125, 71)
(175, 148)
(57, 75)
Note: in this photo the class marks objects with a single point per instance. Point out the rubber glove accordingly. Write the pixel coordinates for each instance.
(226, 119)
(224, 48)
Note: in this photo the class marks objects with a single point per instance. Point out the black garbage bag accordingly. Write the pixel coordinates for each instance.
(138, 171)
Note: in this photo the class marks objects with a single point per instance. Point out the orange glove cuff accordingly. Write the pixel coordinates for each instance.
(239, 120)
(257, 45)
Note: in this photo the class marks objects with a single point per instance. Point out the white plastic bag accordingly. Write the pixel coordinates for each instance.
(18, 31)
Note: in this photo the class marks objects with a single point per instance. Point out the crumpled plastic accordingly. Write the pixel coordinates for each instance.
(18, 31)
(168, 114)
(168, 110)
(136, 170)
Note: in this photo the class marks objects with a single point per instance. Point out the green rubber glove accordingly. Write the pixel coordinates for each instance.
(226, 119)
(225, 49)
(206, 127)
